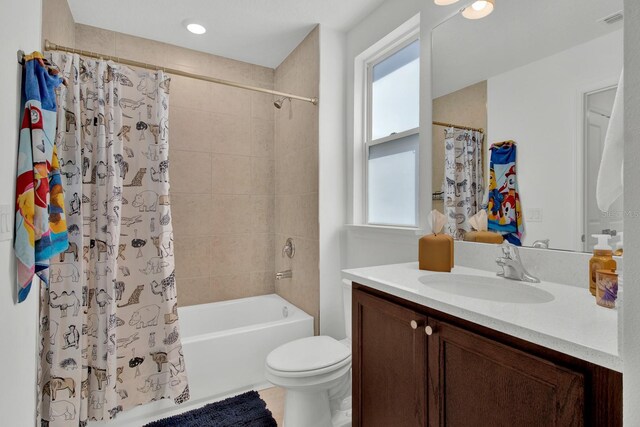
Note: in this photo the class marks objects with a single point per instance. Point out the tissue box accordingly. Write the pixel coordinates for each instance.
(483, 237)
(435, 253)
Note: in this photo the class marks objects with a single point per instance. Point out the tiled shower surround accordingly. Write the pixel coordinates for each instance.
(223, 173)
(296, 154)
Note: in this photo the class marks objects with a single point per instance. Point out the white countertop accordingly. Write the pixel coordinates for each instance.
(571, 323)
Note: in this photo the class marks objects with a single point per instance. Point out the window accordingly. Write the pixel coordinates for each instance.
(392, 181)
(392, 135)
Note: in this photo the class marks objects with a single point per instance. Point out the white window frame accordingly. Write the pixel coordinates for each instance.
(397, 44)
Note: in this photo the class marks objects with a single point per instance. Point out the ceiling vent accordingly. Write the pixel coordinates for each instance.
(612, 19)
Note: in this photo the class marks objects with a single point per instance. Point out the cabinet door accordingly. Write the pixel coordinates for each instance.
(474, 381)
(389, 368)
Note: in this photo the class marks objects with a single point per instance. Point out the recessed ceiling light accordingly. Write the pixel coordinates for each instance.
(196, 28)
(479, 9)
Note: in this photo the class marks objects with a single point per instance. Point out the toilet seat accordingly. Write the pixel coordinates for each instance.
(308, 357)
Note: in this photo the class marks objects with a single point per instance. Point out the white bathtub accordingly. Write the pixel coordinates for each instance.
(225, 346)
(226, 343)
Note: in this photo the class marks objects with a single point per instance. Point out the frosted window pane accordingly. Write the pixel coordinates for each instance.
(395, 92)
(393, 181)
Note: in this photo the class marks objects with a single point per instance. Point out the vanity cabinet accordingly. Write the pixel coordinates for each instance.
(414, 366)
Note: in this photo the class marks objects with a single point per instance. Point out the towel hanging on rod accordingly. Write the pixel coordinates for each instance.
(504, 143)
(23, 58)
(610, 183)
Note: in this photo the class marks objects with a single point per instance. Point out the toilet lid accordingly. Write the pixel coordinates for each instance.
(307, 354)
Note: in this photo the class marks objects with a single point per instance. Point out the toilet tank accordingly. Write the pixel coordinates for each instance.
(346, 300)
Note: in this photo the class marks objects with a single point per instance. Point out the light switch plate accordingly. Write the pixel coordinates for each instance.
(533, 215)
(6, 223)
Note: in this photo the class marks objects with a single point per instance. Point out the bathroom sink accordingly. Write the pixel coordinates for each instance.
(487, 288)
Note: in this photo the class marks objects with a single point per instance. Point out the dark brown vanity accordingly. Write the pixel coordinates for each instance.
(414, 366)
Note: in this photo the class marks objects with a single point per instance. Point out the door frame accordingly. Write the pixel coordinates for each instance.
(580, 158)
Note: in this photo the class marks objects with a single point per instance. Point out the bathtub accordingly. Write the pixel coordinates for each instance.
(226, 343)
(225, 346)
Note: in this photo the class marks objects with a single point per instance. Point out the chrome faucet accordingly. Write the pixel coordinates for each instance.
(511, 264)
(541, 244)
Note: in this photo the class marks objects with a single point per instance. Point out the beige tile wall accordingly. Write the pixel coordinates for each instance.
(296, 177)
(221, 168)
(58, 25)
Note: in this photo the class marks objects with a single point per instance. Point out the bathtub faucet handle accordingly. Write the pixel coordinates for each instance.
(289, 248)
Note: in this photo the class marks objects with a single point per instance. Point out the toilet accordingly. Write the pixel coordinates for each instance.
(316, 373)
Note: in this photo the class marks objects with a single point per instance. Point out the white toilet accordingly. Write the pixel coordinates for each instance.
(316, 373)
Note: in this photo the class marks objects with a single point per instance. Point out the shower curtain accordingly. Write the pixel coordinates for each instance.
(109, 330)
(463, 186)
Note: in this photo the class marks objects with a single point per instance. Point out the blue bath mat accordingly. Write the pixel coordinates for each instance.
(246, 409)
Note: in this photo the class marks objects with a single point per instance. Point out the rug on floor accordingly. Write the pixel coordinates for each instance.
(246, 409)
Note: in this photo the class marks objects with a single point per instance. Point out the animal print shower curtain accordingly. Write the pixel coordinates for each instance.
(464, 179)
(109, 330)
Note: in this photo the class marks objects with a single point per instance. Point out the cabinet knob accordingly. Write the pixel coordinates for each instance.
(428, 330)
(414, 324)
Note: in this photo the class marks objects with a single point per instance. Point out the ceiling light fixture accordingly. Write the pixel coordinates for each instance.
(479, 9)
(195, 28)
(445, 2)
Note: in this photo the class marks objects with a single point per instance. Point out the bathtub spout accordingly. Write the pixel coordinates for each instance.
(287, 274)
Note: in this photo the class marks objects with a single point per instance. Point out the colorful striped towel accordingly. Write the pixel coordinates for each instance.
(504, 210)
(40, 227)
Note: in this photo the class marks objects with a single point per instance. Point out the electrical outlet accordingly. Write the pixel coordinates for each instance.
(6, 223)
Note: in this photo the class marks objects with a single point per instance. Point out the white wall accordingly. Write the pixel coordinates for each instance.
(20, 28)
(332, 176)
(631, 315)
(539, 106)
(366, 246)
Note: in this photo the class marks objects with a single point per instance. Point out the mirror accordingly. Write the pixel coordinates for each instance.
(536, 80)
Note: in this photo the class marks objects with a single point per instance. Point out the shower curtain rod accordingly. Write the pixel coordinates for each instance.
(449, 125)
(53, 46)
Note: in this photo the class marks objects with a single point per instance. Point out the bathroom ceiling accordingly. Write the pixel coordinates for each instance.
(518, 32)
(261, 32)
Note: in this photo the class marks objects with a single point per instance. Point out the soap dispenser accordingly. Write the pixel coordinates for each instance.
(602, 260)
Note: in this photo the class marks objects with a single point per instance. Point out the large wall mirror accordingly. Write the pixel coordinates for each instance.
(522, 101)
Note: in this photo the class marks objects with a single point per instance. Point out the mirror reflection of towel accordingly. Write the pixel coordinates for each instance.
(610, 183)
(504, 210)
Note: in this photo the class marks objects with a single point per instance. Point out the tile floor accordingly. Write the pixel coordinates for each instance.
(274, 397)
